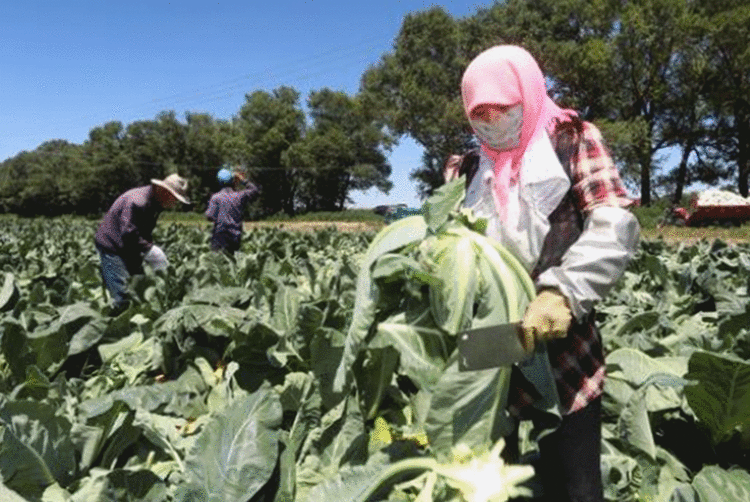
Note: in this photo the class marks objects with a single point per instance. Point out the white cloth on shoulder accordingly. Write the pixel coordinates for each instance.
(541, 186)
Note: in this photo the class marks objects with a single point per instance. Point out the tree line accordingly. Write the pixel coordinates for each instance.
(657, 76)
(299, 164)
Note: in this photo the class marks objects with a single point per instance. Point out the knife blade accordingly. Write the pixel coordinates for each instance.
(490, 347)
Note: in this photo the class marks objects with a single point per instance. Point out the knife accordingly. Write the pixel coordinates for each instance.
(490, 347)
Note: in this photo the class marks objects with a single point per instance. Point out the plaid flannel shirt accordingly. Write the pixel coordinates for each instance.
(596, 181)
(578, 360)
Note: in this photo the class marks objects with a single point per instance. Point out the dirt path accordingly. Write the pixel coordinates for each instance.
(671, 235)
(689, 235)
(310, 226)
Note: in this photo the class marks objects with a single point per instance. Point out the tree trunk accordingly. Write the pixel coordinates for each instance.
(645, 163)
(288, 194)
(682, 172)
(743, 149)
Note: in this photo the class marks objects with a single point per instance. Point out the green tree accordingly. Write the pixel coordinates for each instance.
(688, 122)
(112, 169)
(157, 147)
(13, 175)
(417, 89)
(269, 124)
(615, 63)
(727, 36)
(341, 151)
(203, 156)
(652, 33)
(51, 182)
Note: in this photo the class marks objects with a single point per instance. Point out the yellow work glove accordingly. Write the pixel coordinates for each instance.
(548, 316)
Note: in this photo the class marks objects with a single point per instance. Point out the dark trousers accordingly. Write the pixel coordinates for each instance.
(224, 241)
(570, 458)
(115, 275)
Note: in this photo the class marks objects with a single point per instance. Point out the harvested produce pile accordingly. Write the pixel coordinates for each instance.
(721, 198)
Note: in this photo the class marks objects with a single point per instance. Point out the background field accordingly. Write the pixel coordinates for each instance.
(367, 220)
(248, 346)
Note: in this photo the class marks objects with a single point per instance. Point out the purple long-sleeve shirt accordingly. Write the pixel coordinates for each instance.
(226, 208)
(126, 230)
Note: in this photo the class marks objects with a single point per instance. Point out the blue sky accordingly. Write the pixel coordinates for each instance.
(67, 66)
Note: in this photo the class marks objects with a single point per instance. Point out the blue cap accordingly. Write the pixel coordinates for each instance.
(224, 176)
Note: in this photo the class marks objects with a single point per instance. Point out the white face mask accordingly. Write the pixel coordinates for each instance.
(503, 132)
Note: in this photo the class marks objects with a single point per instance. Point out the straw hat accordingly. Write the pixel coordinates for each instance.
(177, 186)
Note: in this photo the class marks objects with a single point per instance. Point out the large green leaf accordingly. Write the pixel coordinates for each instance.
(393, 237)
(285, 323)
(506, 288)
(299, 394)
(219, 295)
(238, 449)
(120, 485)
(350, 484)
(183, 397)
(132, 355)
(202, 318)
(721, 398)
(641, 321)
(421, 350)
(36, 449)
(444, 200)
(49, 346)
(339, 439)
(634, 426)
(392, 266)
(629, 369)
(453, 299)
(22, 468)
(285, 310)
(467, 407)
(15, 348)
(735, 322)
(88, 335)
(374, 378)
(75, 316)
(169, 434)
(326, 348)
(56, 334)
(8, 293)
(8, 495)
(715, 484)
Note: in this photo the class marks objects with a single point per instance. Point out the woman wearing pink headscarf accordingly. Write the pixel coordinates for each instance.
(554, 198)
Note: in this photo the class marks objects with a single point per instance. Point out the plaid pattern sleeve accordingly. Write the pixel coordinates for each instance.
(596, 181)
(578, 360)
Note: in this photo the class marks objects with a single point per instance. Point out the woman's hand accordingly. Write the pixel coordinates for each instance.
(547, 317)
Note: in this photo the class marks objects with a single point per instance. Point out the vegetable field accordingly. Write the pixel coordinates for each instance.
(249, 378)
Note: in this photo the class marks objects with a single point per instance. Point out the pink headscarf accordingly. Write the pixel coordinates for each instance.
(507, 75)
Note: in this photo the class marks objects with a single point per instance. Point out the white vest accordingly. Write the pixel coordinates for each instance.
(541, 186)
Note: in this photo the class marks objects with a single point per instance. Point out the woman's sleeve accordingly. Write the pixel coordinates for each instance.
(596, 180)
(609, 240)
